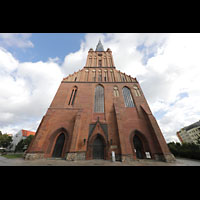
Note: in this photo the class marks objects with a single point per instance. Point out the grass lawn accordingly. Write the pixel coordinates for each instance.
(10, 156)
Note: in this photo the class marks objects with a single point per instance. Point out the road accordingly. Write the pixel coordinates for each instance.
(49, 162)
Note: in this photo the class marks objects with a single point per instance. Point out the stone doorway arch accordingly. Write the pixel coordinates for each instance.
(58, 148)
(139, 144)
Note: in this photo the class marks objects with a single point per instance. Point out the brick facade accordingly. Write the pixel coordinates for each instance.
(116, 126)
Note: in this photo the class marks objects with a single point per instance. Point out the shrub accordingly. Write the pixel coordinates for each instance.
(186, 150)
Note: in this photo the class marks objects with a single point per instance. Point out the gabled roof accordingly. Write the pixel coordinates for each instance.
(99, 46)
(104, 127)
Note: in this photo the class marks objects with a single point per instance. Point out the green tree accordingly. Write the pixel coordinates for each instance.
(19, 146)
(5, 140)
(186, 150)
(24, 143)
(28, 140)
(174, 148)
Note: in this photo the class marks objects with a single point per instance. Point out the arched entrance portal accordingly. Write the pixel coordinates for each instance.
(98, 148)
(57, 152)
(138, 147)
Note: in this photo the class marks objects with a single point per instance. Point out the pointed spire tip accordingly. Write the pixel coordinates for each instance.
(99, 46)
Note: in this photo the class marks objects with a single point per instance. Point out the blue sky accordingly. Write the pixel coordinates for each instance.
(48, 45)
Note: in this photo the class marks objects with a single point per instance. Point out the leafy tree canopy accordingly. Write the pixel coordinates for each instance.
(5, 140)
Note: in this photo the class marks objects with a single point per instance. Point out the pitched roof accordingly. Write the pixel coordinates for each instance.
(26, 133)
(196, 124)
(99, 46)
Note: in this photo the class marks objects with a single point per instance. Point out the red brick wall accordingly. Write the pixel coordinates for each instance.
(74, 120)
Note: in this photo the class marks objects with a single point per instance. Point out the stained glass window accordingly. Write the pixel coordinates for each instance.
(128, 100)
(99, 99)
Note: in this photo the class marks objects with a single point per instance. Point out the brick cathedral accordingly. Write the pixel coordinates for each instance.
(95, 111)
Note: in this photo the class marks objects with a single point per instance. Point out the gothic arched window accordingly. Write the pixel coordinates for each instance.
(116, 91)
(99, 76)
(128, 100)
(105, 75)
(73, 96)
(137, 91)
(99, 99)
(100, 63)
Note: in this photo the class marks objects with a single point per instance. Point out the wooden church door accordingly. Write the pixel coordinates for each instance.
(59, 146)
(98, 148)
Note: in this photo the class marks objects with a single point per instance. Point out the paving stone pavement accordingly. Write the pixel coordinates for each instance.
(58, 162)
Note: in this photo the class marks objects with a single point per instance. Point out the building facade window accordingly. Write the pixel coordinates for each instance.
(99, 76)
(116, 91)
(123, 78)
(100, 63)
(128, 100)
(137, 91)
(99, 99)
(73, 96)
(105, 75)
(94, 75)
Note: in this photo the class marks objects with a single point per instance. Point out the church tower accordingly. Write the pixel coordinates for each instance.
(95, 111)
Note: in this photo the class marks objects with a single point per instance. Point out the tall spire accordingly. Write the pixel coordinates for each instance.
(99, 46)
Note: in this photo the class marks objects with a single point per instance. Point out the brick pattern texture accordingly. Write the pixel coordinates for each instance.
(80, 124)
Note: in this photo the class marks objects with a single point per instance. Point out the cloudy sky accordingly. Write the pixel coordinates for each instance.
(167, 65)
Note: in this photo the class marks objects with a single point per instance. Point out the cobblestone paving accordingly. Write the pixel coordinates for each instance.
(58, 162)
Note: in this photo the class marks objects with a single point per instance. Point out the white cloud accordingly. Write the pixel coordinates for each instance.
(77, 60)
(20, 40)
(166, 65)
(27, 90)
(7, 62)
(172, 71)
